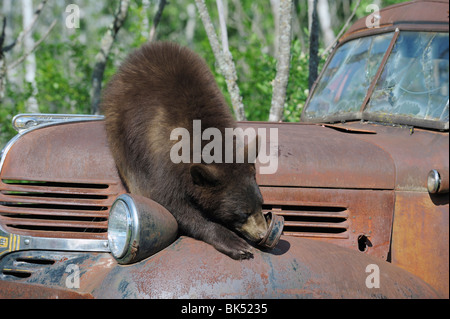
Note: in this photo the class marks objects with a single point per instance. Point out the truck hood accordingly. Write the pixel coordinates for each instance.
(353, 156)
(324, 157)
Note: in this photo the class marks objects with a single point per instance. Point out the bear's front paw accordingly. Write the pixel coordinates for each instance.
(236, 247)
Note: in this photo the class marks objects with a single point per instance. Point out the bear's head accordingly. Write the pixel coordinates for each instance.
(229, 195)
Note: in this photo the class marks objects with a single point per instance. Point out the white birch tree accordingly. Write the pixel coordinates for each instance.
(156, 19)
(283, 60)
(223, 57)
(102, 56)
(191, 23)
(5, 48)
(323, 10)
(30, 62)
(313, 44)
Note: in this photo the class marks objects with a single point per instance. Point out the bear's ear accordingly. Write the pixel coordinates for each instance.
(204, 175)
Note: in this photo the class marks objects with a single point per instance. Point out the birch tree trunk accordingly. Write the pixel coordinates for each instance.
(224, 60)
(344, 28)
(310, 14)
(4, 48)
(284, 60)
(313, 46)
(30, 61)
(323, 10)
(145, 28)
(191, 22)
(2, 58)
(156, 19)
(275, 6)
(102, 57)
(6, 10)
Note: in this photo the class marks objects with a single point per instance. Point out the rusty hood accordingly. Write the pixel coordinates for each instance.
(326, 156)
(355, 156)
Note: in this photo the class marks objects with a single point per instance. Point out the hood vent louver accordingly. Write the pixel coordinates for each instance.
(313, 220)
(56, 209)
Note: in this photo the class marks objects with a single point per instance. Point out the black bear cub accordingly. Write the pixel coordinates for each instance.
(161, 87)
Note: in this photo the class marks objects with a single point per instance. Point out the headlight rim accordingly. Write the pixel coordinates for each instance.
(434, 181)
(132, 228)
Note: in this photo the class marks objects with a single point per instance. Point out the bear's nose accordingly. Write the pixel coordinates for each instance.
(262, 235)
(274, 232)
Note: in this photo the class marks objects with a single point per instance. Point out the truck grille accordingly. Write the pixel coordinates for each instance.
(313, 220)
(56, 209)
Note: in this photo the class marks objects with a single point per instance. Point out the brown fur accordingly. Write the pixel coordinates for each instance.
(160, 87)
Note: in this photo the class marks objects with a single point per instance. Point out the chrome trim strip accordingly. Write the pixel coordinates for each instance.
(12, 242)
(66, 244)
(24, 122)
(6, 149)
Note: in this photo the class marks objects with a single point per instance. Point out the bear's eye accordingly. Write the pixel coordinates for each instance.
(248, 211)
(244, 213)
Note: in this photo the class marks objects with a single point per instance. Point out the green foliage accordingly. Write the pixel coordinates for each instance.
(63, 87)
(297, 90)
(256, 70)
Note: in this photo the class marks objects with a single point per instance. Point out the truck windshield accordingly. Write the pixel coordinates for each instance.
(414, 82)
(347, 78)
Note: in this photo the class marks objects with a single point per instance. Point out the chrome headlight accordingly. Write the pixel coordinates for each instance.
(433, 181)
(138, 228)
(438, 181)
(122, 225)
